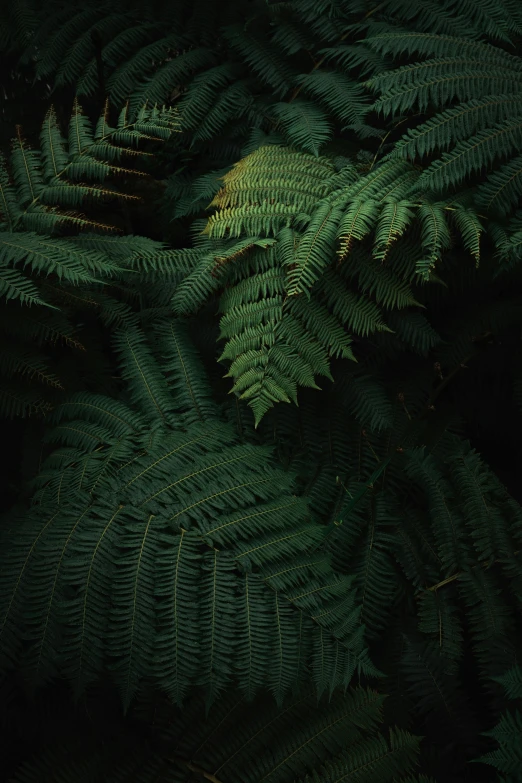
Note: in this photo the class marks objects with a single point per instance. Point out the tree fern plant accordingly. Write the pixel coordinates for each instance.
(239, 572)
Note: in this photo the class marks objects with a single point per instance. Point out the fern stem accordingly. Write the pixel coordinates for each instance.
(453, 578)
(383, 140)
(198, 770)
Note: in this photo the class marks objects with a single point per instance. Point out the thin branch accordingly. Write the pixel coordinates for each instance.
(198, 770)
(453, 578)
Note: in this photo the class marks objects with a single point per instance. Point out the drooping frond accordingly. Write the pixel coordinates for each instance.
(305, 740)
(294, 302)
(508, 731)
(471, 93)
(434, 524)
(304, 124)
(215, 553)
(50, 186)
(41, 192)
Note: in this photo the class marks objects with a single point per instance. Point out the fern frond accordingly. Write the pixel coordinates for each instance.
(438, 46)
(63, 36)
(40, 191)
(263, 60)
(446, 515)
(320, 253)
(315, 250)
(194, 106)
(435, 236)
(304, 125)
(357, 222)
(146, 383)
(337, 92)
(123, 83)
(303, 741)
(456, 124)
(168, 501)
(393, 222)
(18, 402)
(491, 620)
(52, 256)
(507, 733)
(511, 681)
(474, 154)
(359, 314)
(15, 285)
(26, 168)
(369, 402)
(183, 372)
(501, 192)
(464, 139)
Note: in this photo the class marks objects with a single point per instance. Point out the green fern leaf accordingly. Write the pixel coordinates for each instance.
(304, 125)
(166, 500)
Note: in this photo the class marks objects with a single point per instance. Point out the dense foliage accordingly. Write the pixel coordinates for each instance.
(261, 370)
